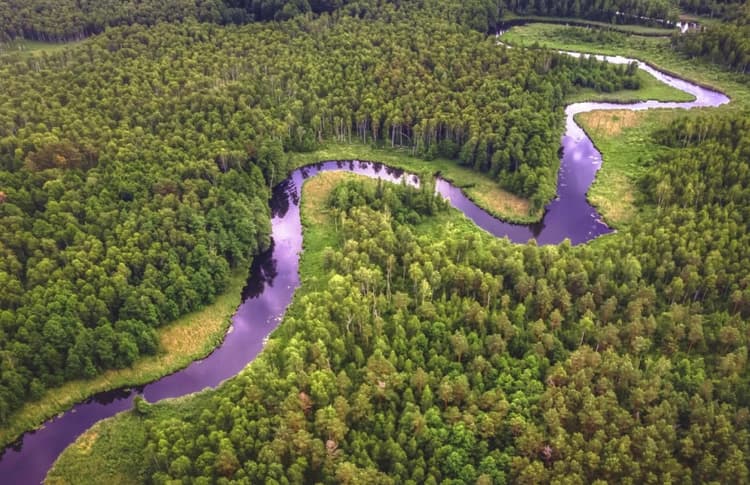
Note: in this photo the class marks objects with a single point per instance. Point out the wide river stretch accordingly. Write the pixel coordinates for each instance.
(275, 276)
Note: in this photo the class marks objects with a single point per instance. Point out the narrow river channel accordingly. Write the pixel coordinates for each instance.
(275, 275)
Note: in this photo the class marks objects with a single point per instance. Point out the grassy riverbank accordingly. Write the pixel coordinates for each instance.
(113, 450)
(625, 28)
(484, 191)
(624, 139)
(189, 338)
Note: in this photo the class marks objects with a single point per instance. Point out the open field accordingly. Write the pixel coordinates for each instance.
(33, 47)
(624, 139)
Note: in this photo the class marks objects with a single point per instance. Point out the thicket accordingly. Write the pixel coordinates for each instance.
(462, 359)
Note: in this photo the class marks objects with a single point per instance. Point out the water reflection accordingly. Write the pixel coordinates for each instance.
(262, 273)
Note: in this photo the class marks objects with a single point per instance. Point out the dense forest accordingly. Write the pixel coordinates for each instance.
(58, 20)
(726, 9)
(135, 174)
(465, 359)
(727, 44)
(135, 168)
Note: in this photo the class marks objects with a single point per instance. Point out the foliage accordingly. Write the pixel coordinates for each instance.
(713, 8)
(59, 20)
(727, 44)
(463, 358)
(136, 166)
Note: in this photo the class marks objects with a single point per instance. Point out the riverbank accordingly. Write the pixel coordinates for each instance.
(511, 18)
(189, 338)
(480, 188)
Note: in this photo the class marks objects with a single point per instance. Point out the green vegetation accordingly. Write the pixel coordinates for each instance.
(134, 169)
(134, 177)
(654, 50)
(112, 451)
(73, 19)
(478, 187)
(650, 88)
(452, 356)
(656, 31)
(625, 140)
(726, 44)
(188, 338)
(32, 47)
(712, 9)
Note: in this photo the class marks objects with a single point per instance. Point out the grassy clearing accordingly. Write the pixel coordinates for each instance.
(624, 138)
(319, 230)
(33, 47)
(481, 189)
(625, 28)
(181, 342)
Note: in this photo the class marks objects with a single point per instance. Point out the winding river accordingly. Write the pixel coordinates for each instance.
(275, 276)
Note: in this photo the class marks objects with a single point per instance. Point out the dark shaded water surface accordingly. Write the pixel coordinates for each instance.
(274, 277)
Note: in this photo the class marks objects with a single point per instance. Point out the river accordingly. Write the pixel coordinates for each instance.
(274, 275)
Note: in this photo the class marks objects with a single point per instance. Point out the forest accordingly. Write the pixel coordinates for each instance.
(56, 20)
(726, 44)
(136, 168)
(466, 359)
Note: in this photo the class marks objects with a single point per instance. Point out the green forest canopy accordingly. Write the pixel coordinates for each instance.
(57, 20)
(135, 167)
(454, 357)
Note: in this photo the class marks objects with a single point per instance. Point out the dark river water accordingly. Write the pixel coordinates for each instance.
(274, 277)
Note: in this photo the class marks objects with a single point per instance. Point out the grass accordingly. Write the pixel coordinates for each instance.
(478, 187)
(319, 229)
(625, 28)
(33, 47)
(181, 342)
(113, 450)
(624, 139)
